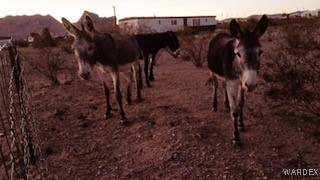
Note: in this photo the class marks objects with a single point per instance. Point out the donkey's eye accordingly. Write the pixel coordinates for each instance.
(90, 48)
(238, 54)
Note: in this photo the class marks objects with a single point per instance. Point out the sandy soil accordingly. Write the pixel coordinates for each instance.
(173, 133)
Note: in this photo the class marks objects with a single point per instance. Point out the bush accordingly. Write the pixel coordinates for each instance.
(131, 29)
(293, 68)
(194, 47)
(22, 43)
(49, 62)
(44, 40)
(65, 44)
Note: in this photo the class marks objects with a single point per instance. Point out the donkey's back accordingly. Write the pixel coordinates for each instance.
(220, 53)
(127, 48)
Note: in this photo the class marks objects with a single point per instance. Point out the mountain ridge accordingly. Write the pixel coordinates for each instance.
(23, 25)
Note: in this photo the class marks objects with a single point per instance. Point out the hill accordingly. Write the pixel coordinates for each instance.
(23, 26)
(101, 24)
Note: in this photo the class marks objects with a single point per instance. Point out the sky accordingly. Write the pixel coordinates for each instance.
(73, 9)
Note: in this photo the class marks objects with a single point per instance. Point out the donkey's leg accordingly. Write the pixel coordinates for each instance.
(140, 76)
(129, 78)
(106, 91)
(136, 77)
(107, 95)
(146, 69)
(226, 101)
(215, 90)
(234, 108)
(241, 103)
(116, 85)
(153, 61)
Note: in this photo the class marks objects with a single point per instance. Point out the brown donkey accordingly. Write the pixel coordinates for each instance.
(235, 58)
(150, 44)
(106, 52)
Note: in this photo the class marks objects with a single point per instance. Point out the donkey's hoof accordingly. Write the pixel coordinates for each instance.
(139, 100)
(227, 108)
(107, 115)
(129, 101)
(214, 109)
(242, 128)
(124, 121)
(236, 143)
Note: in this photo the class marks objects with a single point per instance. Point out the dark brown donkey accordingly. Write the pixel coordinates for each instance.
(106, 52)
(150, 44)
(235, 58)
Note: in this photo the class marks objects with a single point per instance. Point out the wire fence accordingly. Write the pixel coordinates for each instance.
(20, 143)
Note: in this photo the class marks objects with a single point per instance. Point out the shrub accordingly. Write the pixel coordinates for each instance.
(22, 43)
(49, 62)
(194, 48)
(293, 68)
(44, 40)
(65, 44)
(131, 29)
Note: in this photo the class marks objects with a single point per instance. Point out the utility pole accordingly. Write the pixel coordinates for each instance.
(114, 14)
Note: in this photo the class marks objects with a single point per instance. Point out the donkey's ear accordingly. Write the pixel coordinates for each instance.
(88, 24)
(71, 29)
(235, 29)
(261, 26)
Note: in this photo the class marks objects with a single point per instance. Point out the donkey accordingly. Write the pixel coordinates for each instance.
(106, 52)
(235, 58)
(150, 44)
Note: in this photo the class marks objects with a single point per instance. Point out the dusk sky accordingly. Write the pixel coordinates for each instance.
(73, 9)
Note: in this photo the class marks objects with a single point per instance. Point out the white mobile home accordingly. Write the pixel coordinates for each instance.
(162, 24)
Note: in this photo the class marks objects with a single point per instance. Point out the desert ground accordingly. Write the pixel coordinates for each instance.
(173, 133)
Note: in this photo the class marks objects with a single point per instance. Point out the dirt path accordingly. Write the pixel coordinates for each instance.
(173, 134)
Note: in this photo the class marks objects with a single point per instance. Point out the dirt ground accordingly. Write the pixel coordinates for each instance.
(173, 133)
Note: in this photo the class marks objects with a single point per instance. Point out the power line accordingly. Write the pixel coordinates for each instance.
(155, 7)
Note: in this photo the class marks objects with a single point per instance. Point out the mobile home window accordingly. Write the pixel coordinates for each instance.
(173, 22)
(159, 22)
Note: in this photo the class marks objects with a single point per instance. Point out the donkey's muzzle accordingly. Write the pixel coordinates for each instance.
(173, 53)
(249, 80)
(176, 53)
(85, 75)
(250, 87)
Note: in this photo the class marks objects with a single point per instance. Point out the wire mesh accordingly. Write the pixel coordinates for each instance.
(20, 145)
